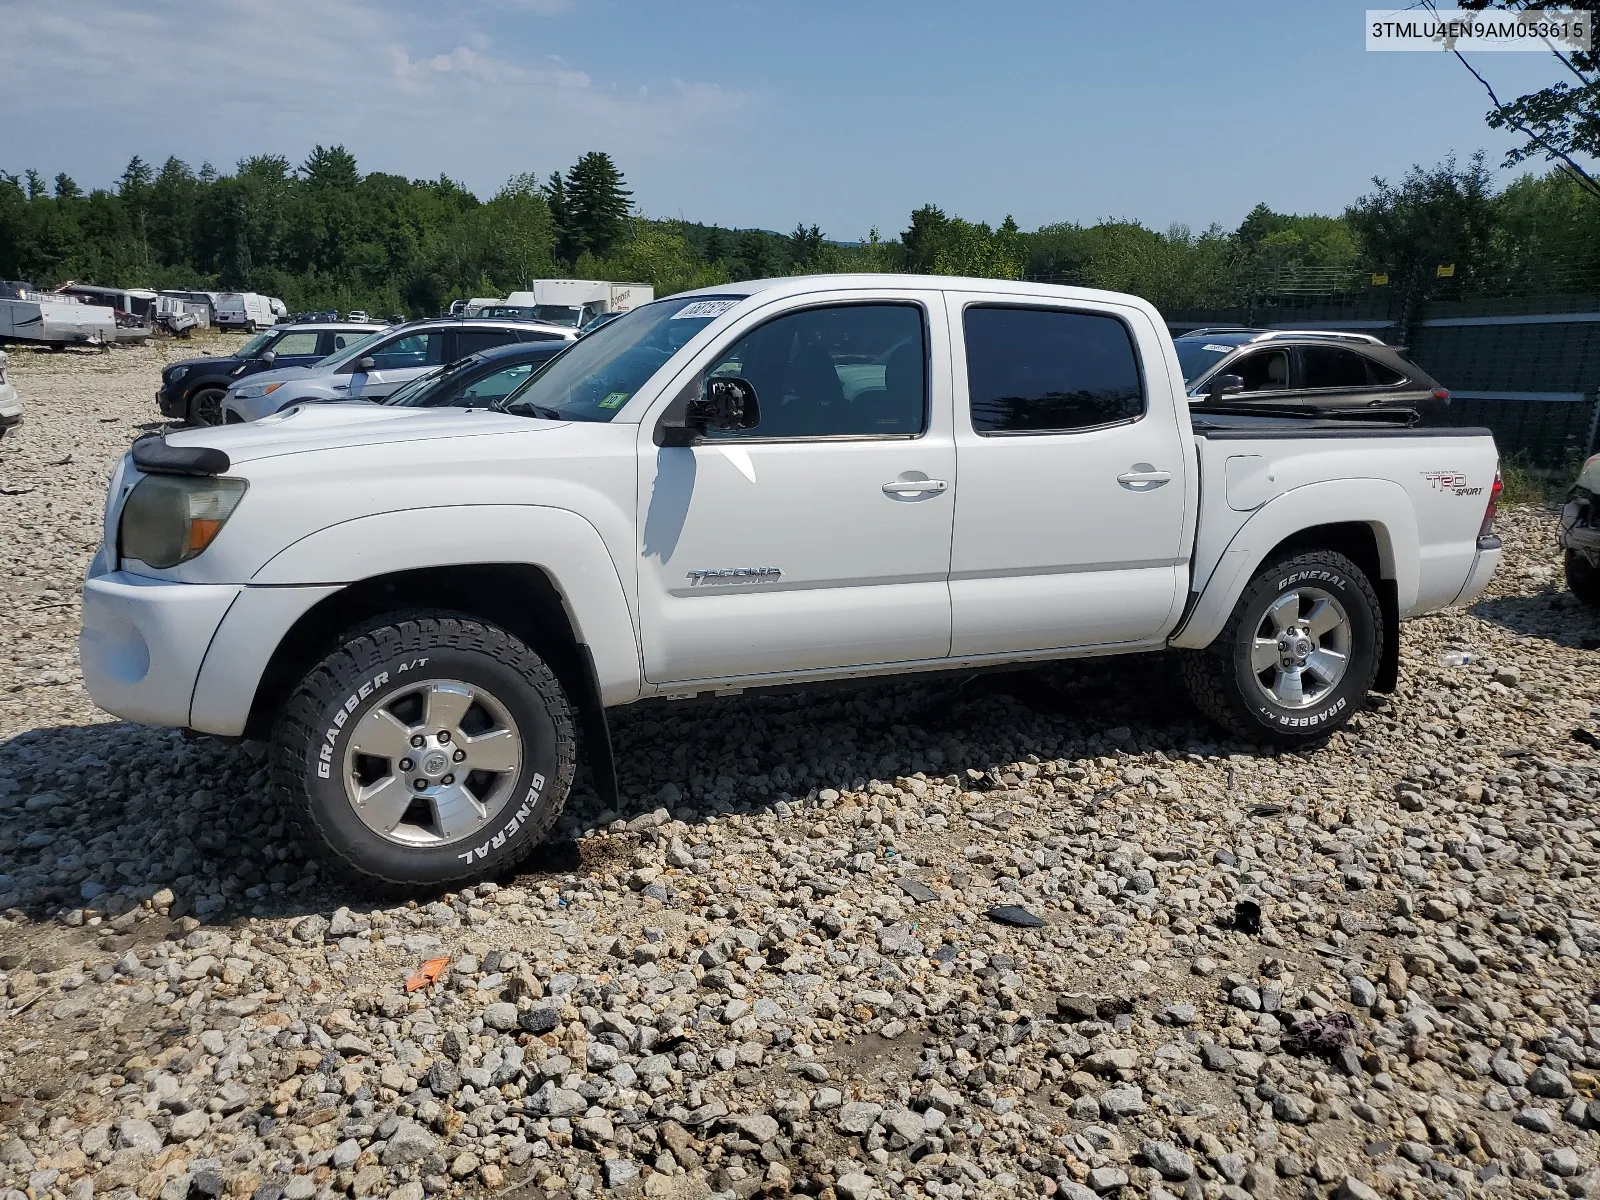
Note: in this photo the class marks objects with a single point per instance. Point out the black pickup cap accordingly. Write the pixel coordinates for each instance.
(156, 456)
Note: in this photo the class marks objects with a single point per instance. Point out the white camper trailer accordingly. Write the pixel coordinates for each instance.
(134, 308)
(52, 320)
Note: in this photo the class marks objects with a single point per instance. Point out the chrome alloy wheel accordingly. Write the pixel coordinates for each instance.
(1301, 648)
(432, 762)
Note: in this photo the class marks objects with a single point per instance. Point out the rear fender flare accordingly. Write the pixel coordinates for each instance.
(1380, 504)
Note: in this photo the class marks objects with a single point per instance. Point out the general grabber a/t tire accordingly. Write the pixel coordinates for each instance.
(1297, 656)
(430, 750)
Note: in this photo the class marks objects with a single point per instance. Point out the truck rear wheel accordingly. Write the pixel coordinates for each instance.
(431, 750)
(1298, 654)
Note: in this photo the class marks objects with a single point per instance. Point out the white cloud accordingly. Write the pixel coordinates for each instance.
(415, 95)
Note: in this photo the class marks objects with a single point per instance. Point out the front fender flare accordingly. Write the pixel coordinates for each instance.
(1380, 504)
(559, 541)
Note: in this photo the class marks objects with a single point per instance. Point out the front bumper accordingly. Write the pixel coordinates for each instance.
(1578, 531)
(1483, 565)
(170, 400)
(143, 641)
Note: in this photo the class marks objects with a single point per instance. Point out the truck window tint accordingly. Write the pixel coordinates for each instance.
(1331, 367)
(855, 370)
(1263, 371)
(295, 343)
(414, 350)
(471, 341)
(1032, 370)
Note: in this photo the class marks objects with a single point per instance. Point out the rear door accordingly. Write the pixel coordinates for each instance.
(1332, 377)
(1069, 519)
(820, 538)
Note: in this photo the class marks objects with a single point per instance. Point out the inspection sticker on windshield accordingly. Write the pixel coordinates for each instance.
(704, 309)
(614, 400)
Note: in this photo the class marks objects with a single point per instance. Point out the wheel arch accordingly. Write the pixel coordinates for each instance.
(1369, 521)
(520, 598)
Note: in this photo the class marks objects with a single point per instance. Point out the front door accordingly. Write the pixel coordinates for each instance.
(1069, 526)
(398, 361)
(820, 538)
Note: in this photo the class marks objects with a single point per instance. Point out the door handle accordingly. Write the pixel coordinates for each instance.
(913, 487)
(1143, 478)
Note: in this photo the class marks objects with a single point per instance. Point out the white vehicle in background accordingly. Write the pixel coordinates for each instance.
(770, 483)
(571, 302)
(280, 310)
(244, 310)
(53, 320)
(10, 405)
(358, 314)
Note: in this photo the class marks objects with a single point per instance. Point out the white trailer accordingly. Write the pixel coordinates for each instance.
(56, 321)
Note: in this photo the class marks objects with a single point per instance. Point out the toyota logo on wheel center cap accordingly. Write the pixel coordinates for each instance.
(435, 763)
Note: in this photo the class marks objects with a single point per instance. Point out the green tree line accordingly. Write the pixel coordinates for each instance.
(324, 235)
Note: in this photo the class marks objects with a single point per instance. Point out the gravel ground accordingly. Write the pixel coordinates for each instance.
(1366, 970)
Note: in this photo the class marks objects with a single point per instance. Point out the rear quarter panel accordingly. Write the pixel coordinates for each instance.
(1422, 496)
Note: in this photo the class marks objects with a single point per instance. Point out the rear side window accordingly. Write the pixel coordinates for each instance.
(471, 341)
(1034, 370)
(1383, 376)
(539, 335)
(1331, 367)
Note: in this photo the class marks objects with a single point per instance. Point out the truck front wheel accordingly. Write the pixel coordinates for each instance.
(1297, 656)
(431, 750)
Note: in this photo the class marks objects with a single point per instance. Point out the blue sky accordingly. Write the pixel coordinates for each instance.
(748, 113)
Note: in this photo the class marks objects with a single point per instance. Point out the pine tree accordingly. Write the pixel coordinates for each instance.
(716, 248)
(597, 204)
(567, 248)
(66, 187)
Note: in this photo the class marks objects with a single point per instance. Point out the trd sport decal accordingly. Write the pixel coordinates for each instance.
(1454, 482)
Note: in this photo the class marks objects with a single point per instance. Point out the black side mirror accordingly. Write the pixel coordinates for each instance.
(367, 363)
(726, 403)
(269, 357)
(1225, 385)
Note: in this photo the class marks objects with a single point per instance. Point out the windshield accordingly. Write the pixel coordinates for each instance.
(354, 350)
(601, 371)
(1198, 355)
(257, 344)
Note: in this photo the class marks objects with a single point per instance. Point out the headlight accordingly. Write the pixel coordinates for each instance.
(253, 390)
(177, 374)
(169, 519)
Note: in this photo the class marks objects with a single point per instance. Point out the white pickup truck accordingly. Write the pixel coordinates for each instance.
(773, 482)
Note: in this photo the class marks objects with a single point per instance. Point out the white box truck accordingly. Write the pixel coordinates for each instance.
(573, 302)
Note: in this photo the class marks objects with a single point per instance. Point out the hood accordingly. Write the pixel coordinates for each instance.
(212, 362)
(278, 375)
(331, 426)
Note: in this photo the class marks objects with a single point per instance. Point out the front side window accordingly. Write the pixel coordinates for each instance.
(413, 350)
(295, 343)
(494, 387)
(1036, 370)
(853, 370)
(1263, 371)
(1331, 367)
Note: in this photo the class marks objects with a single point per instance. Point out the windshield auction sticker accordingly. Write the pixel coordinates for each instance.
(703, 309)
(1542, 29)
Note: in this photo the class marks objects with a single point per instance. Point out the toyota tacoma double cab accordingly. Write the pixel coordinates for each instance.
(427, 611)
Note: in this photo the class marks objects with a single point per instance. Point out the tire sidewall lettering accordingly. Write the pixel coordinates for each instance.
(330, 735)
